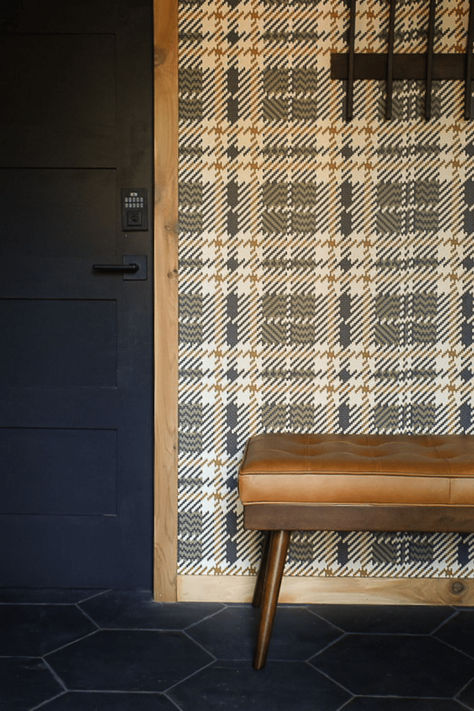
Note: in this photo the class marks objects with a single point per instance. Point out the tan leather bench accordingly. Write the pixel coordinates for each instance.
(293, 482)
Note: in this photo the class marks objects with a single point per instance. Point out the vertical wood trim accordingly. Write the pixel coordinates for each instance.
(166, 297)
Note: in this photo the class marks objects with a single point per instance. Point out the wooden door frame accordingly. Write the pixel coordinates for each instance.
(165, 13)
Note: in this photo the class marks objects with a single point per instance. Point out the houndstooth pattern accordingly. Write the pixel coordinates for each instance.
(326, 268)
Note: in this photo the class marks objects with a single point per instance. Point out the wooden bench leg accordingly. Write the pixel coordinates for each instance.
(279, 541)
(262, 573)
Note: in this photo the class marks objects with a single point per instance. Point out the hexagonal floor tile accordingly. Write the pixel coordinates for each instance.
(459, 632)
(128, 660)
(119, 609)
(91, 701)
(34, 630)
(280, 686)
(407, 619)
(362, 703)
(232, 633)
(25, 683)
(395, 665)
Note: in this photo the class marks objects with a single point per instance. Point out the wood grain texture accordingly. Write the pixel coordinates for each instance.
(358, 517)
(342, 591)
(166, 297)
(405, 66)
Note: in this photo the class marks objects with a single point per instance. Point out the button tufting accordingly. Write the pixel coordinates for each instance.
(379, 469)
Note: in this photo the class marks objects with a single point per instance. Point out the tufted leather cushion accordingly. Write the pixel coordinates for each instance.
(352, 469)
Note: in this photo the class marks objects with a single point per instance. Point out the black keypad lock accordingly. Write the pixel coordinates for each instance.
(134, 210)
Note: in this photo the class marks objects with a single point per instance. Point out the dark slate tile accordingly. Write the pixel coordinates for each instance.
(395, 665)
(467, 695)
(280, 686)
(119, 609)
(90, 701)
(459, 632)
(25, 683)
(34, 630)
(46, 595)
(297, 634)
(407, 619)
(128, 660)
(377, 704)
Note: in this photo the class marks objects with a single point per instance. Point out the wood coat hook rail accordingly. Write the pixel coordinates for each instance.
(427, 66)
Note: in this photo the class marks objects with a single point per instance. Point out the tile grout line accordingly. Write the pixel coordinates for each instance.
(327, 646)
(452, 616)
(172, 701)
(207, 617)
(330, 644)
(49, 602)
(47, 701)
(69, 644)
(86, 615)
(190, 676)
(456, 649)
(54, 673)
(334, 681)
(323, 619)
(117, 692)
(463, 688)
(92, 597)
(200, 645)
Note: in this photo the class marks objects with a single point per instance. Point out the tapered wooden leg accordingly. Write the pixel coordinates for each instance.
(279, 541)
(260, 584)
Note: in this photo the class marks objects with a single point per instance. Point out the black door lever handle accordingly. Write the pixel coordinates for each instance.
(119, 268)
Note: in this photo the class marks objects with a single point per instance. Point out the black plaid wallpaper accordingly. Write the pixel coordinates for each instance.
(326, 268)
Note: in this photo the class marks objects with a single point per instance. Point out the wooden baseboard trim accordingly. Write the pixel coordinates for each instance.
(373, 591)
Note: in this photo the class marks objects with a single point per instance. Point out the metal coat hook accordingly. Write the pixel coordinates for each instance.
(391, 42)
(470, 39)
(350, 74)
(429, 59)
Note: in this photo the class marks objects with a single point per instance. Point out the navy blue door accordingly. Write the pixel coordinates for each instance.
(76, 343)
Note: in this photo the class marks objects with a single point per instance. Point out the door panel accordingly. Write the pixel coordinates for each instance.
(58, 213)
(78, 16)
(58, 471)
(76, 357)
(58, 99)
(79, 336)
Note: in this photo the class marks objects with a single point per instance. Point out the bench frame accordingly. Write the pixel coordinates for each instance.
(279, 520)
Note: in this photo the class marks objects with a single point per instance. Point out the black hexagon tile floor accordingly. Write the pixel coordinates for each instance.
(85, 650)
(362, 703)
(137, 610)
(405, 619)
(107, 701)
(128, 660)
(25, 682)
(467, 695)
(280, 686)
(38, 629)
(297, 634)
(459, 631)
(395, 665)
